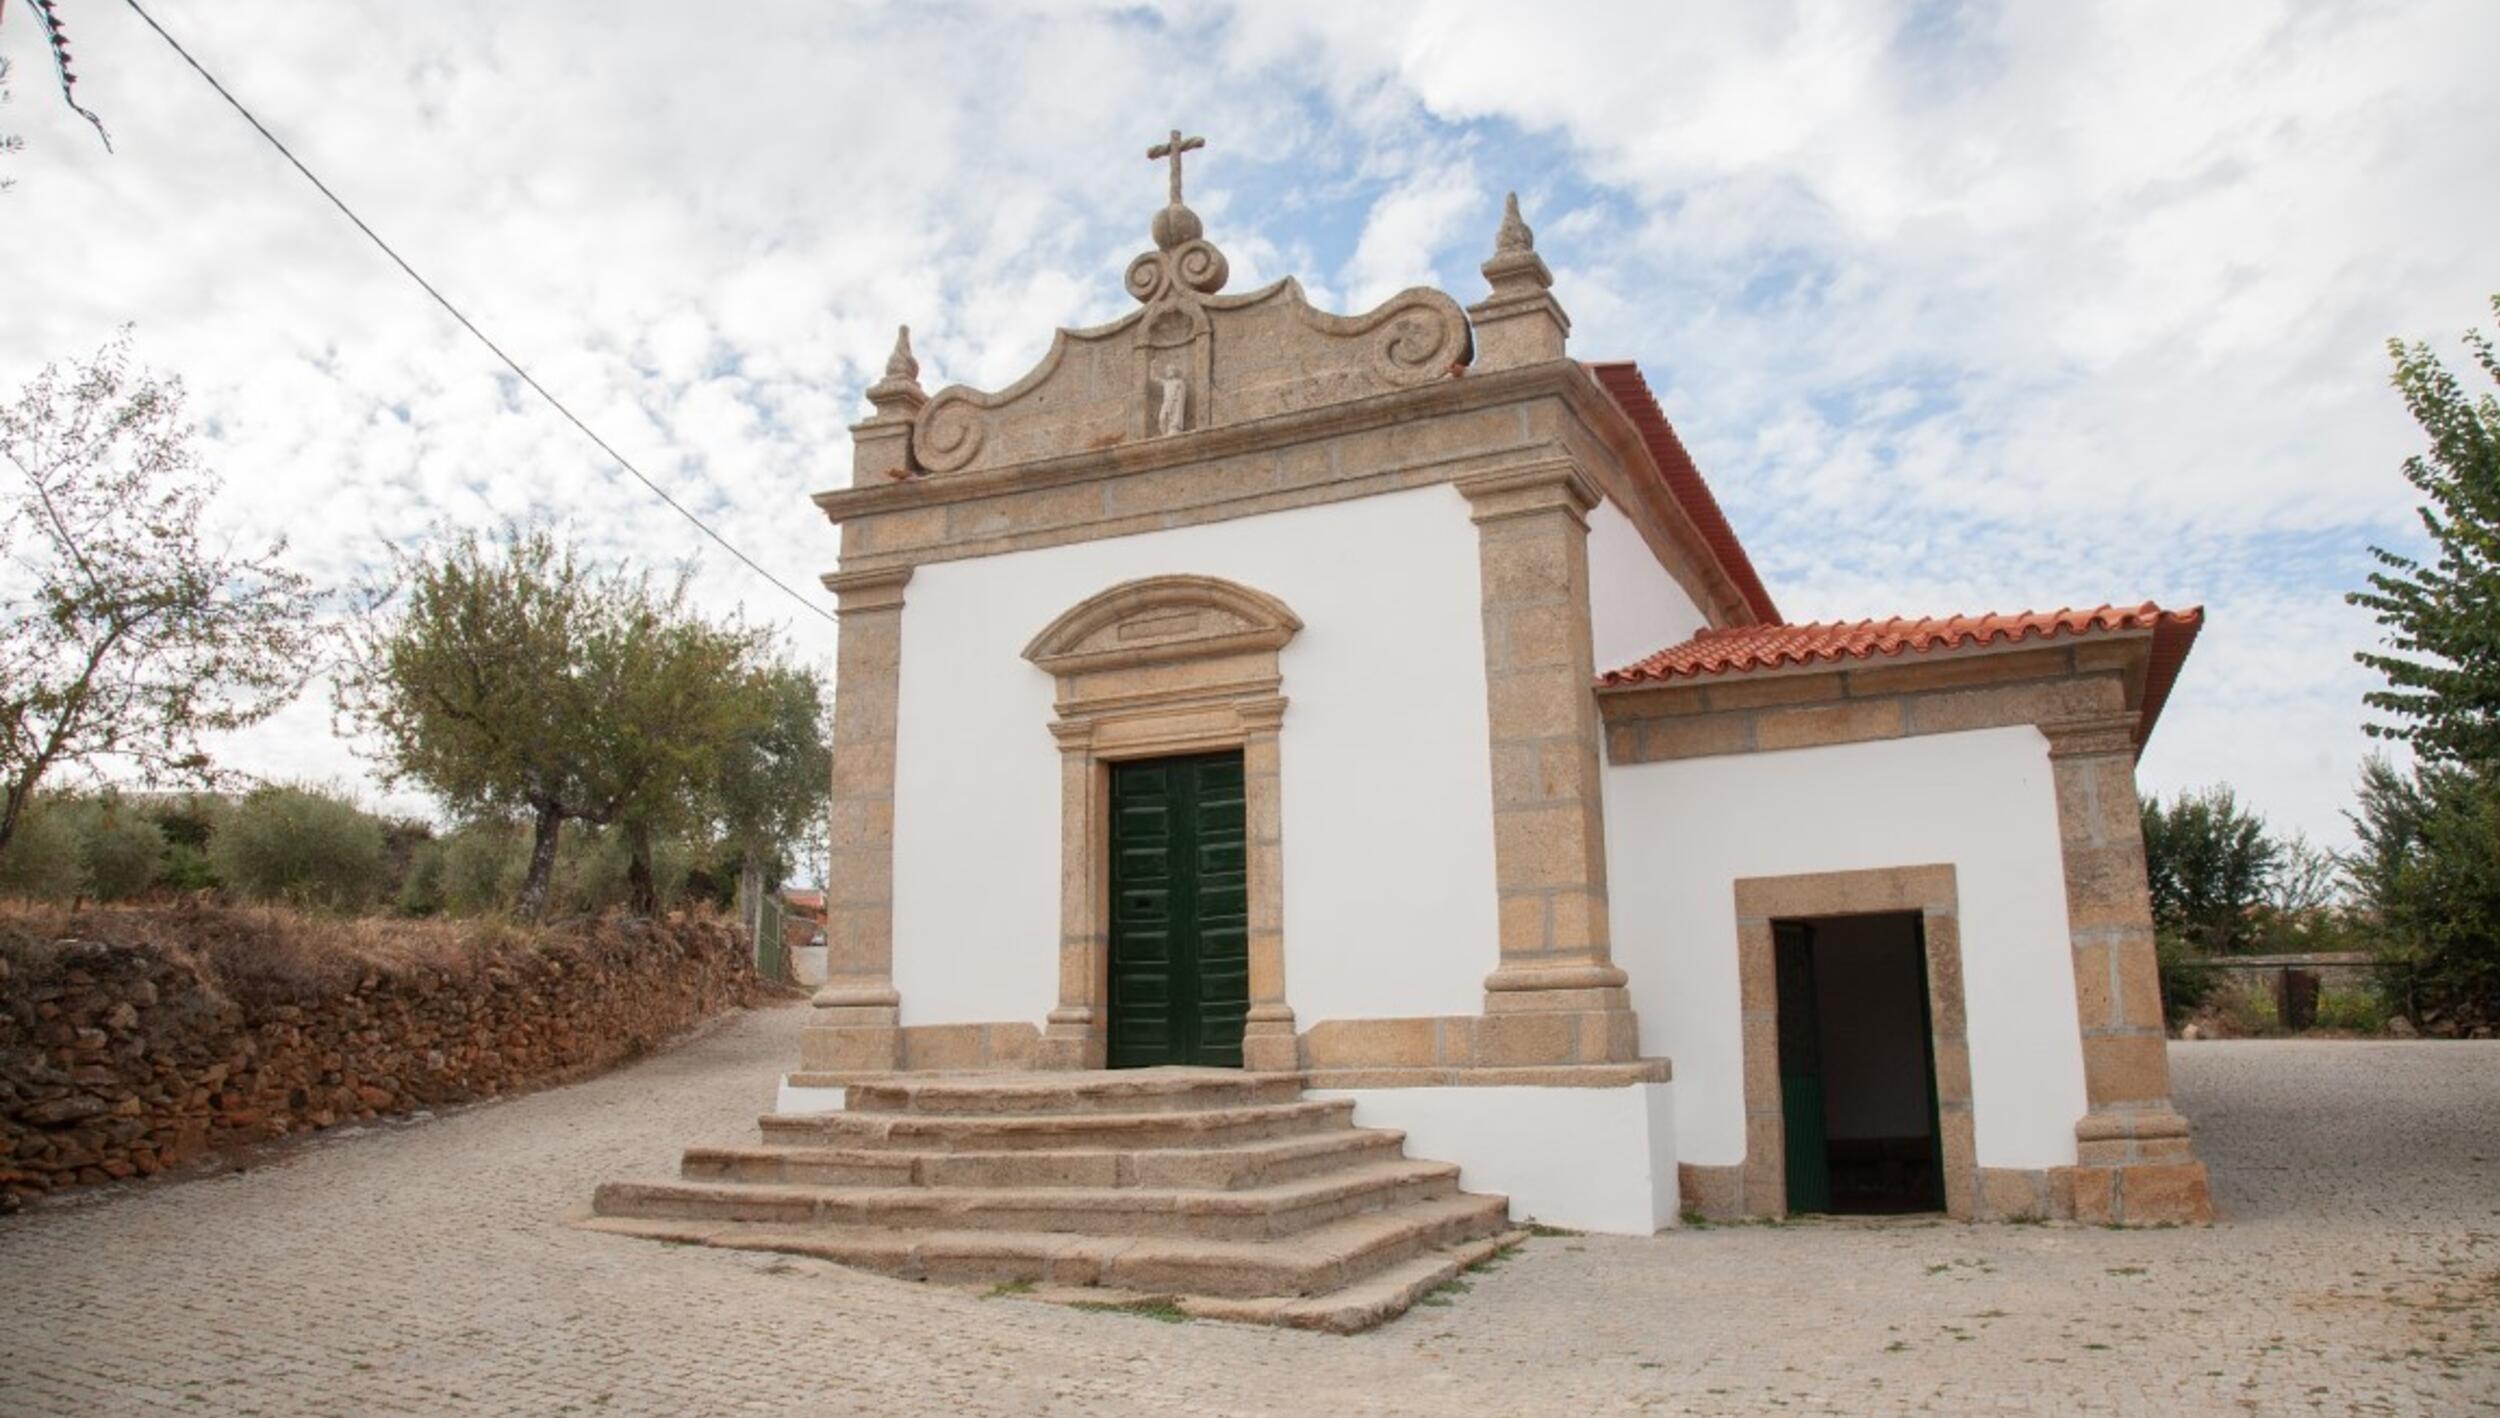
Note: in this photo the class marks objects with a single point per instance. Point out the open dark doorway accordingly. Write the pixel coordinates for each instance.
(1857, 1065)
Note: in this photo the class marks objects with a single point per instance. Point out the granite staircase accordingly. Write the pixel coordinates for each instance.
(1227, 1195)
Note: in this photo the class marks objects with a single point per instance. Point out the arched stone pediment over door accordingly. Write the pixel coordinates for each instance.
(1163, 666)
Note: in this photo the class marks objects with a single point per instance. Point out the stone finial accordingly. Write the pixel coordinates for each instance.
(899, 391)
(1519, 322)
(900, 365)
(881, 448)
(1514, 235)
(1515, 269)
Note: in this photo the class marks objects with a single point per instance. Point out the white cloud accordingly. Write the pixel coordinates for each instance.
(1961, 307)
(1408, 228)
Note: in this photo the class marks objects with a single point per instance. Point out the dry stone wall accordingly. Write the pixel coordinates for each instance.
(136, 1040)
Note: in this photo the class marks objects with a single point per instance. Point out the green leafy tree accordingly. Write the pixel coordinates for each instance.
(777, 776)
(2428, 871)
(2208, 863)
(2442, 616)
(2429, 866)
(125, 637)
(672, 700)
(513, 679)
(470, 669)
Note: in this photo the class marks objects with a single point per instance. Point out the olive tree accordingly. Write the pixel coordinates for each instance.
(512, 678)
(776, 778)
(126, 635)
(673, 698)
(468, 667)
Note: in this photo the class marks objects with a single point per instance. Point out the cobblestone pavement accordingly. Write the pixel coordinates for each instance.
(423, 1269)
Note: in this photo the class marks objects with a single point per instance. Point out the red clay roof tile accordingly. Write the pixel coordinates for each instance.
(1738, 649)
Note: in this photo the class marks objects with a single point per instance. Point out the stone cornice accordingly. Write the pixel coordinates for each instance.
(871, 589)
(1548, 485)
(1602, 422)
(1561, 379)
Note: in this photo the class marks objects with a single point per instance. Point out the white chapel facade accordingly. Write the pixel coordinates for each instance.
(1384, 699)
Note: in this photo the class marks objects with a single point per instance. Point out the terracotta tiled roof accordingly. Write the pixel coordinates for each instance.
(1738, 649)
(1623, 381)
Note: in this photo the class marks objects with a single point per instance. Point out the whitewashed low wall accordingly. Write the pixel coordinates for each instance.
(1592, 1159)
(794, 1099)
(1679, 835)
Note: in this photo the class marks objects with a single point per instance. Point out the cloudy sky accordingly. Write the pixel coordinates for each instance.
(1961, 307)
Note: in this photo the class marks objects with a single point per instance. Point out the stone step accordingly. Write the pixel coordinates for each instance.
(976, 1132)
(1142, 1090)
(1319, 1262)
(1367, 1302)
(1252, 1213)
(1250, 1164)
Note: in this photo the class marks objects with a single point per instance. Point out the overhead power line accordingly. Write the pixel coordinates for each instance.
(465, 322)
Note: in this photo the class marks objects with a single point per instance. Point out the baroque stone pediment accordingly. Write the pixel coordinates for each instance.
(1191, 359)
(1161, 619)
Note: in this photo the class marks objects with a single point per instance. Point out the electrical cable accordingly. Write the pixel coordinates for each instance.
(467, 324)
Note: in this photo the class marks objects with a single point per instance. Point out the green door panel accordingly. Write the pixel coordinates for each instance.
(1180, 915)
(1808, 1167)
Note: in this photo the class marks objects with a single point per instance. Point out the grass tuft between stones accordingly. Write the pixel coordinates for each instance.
(1154, 1309)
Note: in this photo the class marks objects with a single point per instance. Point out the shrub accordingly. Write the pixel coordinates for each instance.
(119, 850)
(421, 889)
(591, 871)
(2360, 1011)
(41, 859)
(2244, 1009)
(2185, 985)
(301, 845)
(186, 868)
(189, 822)
(482, 867)
(186, 819)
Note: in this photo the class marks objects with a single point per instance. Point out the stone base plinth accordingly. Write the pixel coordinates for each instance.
(2133, 1194)
(850, 1048)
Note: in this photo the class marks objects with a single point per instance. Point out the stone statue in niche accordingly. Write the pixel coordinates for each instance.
(1172, 400)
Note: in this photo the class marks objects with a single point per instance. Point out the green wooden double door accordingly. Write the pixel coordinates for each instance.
(1180, 911)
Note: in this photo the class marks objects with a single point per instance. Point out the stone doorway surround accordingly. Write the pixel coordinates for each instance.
(1152, 668)
(1759, 1185)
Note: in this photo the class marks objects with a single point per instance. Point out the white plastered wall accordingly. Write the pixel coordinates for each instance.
(1680, 833)
(1635, 607)
(1593, 1159)
(1387, 779)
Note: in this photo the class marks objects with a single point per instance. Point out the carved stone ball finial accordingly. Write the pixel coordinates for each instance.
(1514, 235)
(900, 364)
(1183, 259)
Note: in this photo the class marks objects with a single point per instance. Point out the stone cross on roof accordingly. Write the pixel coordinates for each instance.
(1172, 148)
